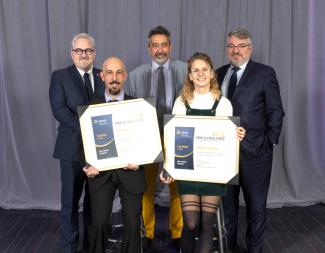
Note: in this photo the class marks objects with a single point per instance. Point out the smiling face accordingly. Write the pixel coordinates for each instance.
(114, 75)
(201, 75)
(85, 60)
(238, 50)
(159, 48)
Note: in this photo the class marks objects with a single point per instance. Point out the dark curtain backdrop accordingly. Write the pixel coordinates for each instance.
(35, 39)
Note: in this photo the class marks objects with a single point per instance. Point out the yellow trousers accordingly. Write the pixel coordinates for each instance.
(148, 202)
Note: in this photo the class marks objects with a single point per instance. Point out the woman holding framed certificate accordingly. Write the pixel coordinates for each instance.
(200, 95)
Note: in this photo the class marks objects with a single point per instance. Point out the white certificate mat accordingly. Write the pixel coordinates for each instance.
(203, 149)
(118, 133)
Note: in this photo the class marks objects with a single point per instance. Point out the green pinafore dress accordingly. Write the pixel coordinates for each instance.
(201, 188)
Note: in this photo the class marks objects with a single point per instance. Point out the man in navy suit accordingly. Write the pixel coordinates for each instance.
(253, 90)
(71, 87)
(129, 181)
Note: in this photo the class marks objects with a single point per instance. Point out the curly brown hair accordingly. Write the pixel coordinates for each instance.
(188, 87)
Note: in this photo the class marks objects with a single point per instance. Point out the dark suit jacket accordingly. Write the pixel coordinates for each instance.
(132, 180)
(67, 92)
(257, 102)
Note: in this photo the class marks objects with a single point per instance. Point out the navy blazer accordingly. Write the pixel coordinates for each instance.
(257, 102)
(67, 92)
(132, 180)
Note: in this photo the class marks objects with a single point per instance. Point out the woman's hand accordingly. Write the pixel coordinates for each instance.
(91, 171)
(132, 167)
(165, 180)
(240, 132)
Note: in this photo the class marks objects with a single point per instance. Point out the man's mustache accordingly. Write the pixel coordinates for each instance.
(161, 54)
(114, 82)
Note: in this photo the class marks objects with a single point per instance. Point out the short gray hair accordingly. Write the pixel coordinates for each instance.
(241, 34)
(82, 36)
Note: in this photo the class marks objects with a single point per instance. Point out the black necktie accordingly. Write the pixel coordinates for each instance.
(89, 89)
(161, 96)
(232, 83)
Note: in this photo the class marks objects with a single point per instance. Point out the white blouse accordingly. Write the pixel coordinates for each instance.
(204, 101)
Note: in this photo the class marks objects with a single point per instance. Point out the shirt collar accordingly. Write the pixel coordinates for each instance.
(82, 72)
(155, 65)
(241, 67)
(119, 97)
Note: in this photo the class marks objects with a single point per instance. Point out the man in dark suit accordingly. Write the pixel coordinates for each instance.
(144, 82)
(253, 90)
(71, 87)
(130, 181)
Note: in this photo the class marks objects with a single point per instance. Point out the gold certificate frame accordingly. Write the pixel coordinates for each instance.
(115, 134)
(203, 149)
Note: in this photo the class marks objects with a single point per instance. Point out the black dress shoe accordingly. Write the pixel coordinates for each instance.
(233, 250)
(148, 247)
(176, 243)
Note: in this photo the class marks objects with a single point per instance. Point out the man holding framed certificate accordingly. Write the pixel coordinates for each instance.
(201, 96)
(129, 181)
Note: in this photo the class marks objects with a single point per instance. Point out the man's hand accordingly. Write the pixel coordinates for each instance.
(91, 171)
(132, 167)
(165, 180)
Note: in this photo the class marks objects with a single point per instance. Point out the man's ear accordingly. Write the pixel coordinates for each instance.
(102, 75)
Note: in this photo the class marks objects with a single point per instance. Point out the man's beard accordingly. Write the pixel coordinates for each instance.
(161, 58)
(114, 92)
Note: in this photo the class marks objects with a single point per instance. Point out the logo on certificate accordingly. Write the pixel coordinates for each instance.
(104, 136)
(184, 137)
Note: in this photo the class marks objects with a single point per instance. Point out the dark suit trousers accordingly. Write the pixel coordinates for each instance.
(101, 210)
(254, 178)
(73, 179)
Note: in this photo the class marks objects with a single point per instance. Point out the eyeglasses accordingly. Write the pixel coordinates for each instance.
(240, 46)
(87, 51)
(197, 71)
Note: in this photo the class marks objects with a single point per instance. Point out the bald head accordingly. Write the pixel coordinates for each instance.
(113, 61)
(114, 75)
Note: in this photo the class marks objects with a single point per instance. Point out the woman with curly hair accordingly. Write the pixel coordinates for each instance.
(200, 95)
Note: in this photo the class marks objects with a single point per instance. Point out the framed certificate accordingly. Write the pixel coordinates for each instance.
(203, 149)
(115, 134)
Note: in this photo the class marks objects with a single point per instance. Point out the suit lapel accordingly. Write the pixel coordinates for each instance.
(246, 74)
(243, 80)
(174, 81)
(127, 97)
(98, 84)
(147, 81)
(78, 81)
